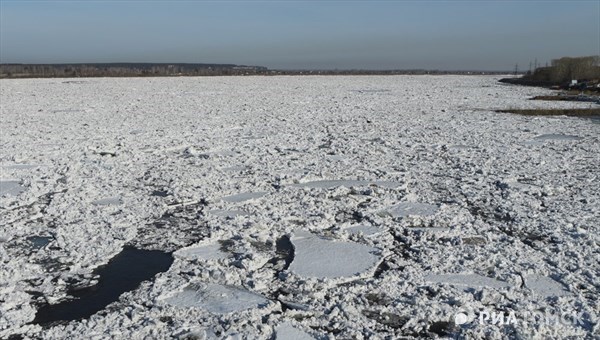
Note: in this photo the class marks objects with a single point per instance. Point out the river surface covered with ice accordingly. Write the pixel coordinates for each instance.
(295, 207)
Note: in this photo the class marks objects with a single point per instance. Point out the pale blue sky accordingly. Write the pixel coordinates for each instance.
(483, 35)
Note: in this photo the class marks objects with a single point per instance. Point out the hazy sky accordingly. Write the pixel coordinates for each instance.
(484, 35)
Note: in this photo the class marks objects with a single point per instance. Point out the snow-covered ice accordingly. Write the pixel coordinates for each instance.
(467, 280)
(244, 196)
(108, 201)
(347, 207)
(10, 187)
(202, 252)
(545, 286)
(286, 331)
(228, 213)
(406, 209)
(364, 229)
(328, 184)
(556, 136)
(316, 257)
(215, 298)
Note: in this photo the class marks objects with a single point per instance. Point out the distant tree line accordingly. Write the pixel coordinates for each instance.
(123, 70)
(157, 70)
(561, 72)
(567, 69)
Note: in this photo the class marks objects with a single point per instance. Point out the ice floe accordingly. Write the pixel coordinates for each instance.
(321, 258)
(406, 209)
(365, 229)
(556, 136)
(216, 298)
(286, 331)
(202, 252)
(545, 286)
(20, 166)
(245, 196)
(11, 187)
(329, 184)
(115, 200)
(227, 213)
(466, 280)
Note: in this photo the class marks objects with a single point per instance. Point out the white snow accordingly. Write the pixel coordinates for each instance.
(512, 198)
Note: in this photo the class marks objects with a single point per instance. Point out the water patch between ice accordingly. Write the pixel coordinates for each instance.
(159, 193)
(123, 273)
(285, 250)
(38, 242)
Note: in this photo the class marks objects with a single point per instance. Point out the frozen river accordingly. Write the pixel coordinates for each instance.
(316, 207)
